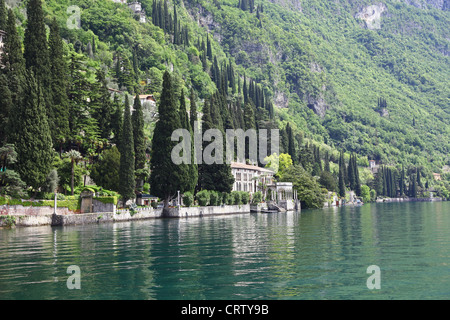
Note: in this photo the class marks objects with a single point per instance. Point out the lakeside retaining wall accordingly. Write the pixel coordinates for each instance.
(38, 216)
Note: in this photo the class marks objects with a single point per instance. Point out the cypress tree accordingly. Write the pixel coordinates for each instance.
(166, 26)
(413, 185)
(245, 90)
(60, 107)
(32, 135)
(240, 117)
(341, 175)
(160, 15)
(176, 31)
(419, 182)
(191, 178)
(351, 173)
(290, 144)
(14, 69)
(249, 116)
(402, 182)
(193, 110)
(208, 48)
(214, 176)
(3, 15)
(5, 107)
(104, 106)
(139, 142)
(138, 134)
(36, 50)
(327, 162)
(358, 190)
(126, 173)
(117, 121)
(166, 177)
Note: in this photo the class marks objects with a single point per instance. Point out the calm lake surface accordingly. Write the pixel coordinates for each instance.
(315, 254)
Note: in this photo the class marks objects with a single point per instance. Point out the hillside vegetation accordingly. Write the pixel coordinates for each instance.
(368, 78)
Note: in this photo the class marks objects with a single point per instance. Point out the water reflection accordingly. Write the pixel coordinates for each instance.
(317, 254)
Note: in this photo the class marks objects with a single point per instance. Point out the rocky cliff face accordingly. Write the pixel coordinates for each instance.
(371, 15)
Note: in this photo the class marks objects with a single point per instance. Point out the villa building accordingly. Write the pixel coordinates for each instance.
(249, 177)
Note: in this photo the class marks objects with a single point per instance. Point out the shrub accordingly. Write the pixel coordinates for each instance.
(7, 221)
(245, 197)
(214, 198)
(236, 195)
(224, 197)
(257, 197)
(154, 204)
(203, 197)
(373, 195)
(188, 199)
(229, 199)
(3, 201)
(106, 200)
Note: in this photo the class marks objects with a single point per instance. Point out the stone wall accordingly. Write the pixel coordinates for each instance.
(40, 216)
(33, 211)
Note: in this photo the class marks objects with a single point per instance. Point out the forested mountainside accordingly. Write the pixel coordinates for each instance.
(364, 77)
(324, 69)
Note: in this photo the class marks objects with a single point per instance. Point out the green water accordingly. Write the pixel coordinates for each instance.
(317, 254)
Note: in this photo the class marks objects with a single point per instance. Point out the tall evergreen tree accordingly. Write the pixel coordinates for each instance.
(103, 106)
(327, 162)
(402, 182)
(166, 177)
(419, 181)
(36, 51)
(193, 110)
(6, 106)
(216, 176)
(117, 121)
(413, 185)
(341, 175)
(291, 143)
(59, 114)
(139, 141)
(126, 173)
(176, 31)
(32, 136)
(209, 48)
(13, 61)
(358, 189)
(351, 173)
(191, 178)
(3, 15)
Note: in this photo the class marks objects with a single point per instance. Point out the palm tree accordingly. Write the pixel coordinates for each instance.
(74, 157)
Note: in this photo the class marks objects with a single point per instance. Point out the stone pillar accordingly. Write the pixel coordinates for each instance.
(86, 201)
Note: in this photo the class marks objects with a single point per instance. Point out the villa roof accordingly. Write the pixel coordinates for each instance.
(239, 165)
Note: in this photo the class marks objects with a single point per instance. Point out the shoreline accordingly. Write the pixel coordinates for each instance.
(23, 217)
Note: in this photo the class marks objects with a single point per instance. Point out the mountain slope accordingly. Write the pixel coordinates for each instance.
(319, 56)
(325, 64)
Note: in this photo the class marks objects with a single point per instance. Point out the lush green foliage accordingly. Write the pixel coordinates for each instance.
(105, 172)
(308, 189)
(203, 198)
(188, 199)
(317, 74)
(257, 197)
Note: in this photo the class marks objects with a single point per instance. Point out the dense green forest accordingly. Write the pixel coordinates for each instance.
(339, 91)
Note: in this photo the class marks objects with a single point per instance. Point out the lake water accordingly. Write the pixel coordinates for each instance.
(315, 254)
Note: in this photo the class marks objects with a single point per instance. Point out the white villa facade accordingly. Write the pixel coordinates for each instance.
(248, 177)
